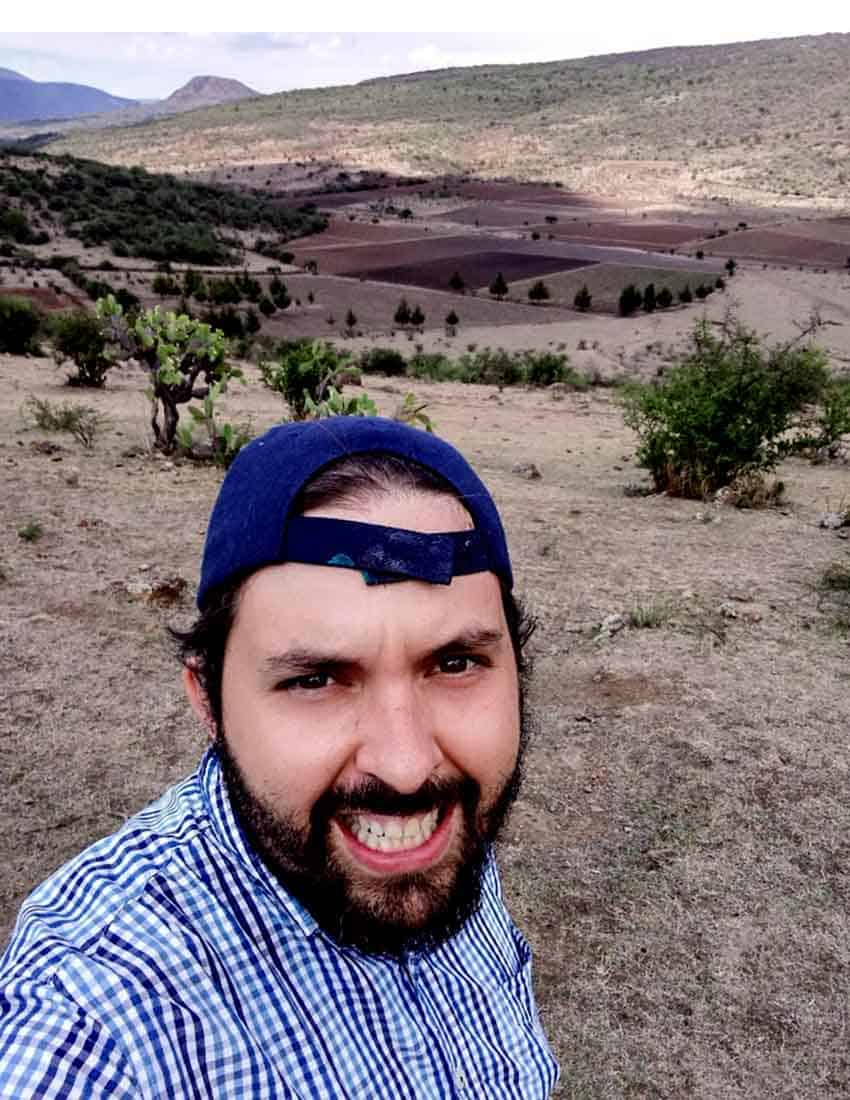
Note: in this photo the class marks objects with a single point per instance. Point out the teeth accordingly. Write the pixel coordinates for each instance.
(395, 834)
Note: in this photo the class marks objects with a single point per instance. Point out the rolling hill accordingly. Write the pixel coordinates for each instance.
(760, 122)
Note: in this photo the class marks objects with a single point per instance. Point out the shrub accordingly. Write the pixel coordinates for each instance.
(545, 368)
(31, 531)
(350, 322)
(664, 298)
(417, 317)
(686, 295)
(725, 411)
(731, 267)
(451, 322)
(583, 299)
(78, 336)
(303, 374)
(649, 300)
(456, 283)
(383, 361)
(539, 292)
(223, 441)
(20, 324)
(81, 421)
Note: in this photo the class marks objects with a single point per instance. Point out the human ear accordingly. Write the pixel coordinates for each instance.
(198, 699)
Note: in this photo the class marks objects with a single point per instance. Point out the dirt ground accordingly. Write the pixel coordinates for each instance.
(679, 856)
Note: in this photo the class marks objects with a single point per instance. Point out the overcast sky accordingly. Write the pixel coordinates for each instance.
(153, 64)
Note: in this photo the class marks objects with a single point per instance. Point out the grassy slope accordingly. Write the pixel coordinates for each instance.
(754, 121)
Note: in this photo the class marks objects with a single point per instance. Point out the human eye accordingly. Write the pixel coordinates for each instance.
(309, 681)
(455, 664)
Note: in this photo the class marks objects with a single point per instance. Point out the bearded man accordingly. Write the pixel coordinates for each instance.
(316, 912)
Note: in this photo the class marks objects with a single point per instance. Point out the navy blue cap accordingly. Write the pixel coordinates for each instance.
(251, 525)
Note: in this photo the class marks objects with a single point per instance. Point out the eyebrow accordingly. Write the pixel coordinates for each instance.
(301, 659)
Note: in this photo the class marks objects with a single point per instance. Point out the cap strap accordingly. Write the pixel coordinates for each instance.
(384, 554)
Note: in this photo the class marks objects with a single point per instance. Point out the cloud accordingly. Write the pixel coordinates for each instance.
(264, 40)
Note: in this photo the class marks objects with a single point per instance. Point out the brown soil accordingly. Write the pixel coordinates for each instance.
(679, 856)
(779, 247)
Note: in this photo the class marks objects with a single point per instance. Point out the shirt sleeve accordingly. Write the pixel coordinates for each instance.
(51, 1049)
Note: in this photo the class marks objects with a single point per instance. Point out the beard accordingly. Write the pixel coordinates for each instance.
(395, 914)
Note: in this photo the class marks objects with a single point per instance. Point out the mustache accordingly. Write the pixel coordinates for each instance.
(375, 796)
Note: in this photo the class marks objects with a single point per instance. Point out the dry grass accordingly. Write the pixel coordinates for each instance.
(679, 858)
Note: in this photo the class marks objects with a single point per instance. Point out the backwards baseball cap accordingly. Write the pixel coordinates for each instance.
(252, 523)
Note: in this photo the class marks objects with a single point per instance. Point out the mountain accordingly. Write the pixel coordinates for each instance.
(762, 122)
(204, 91)
(23, 100)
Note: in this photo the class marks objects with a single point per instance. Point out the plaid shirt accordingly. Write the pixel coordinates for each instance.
(167, 962)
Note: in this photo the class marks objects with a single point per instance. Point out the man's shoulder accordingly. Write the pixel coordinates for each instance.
(71, 910)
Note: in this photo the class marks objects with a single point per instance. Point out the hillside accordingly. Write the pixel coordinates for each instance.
(22, 99)
(759, 122)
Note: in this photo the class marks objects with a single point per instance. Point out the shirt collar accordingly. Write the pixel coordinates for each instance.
(229, 834)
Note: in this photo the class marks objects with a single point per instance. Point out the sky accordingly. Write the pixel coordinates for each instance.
(152, 64)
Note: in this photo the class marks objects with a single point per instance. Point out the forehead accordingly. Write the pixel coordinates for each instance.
(300, 601)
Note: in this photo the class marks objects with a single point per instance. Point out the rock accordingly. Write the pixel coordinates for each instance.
(527, 470)
(72, 478)
(612, 624)
(158, 591)
(728, 610)
(833, 520)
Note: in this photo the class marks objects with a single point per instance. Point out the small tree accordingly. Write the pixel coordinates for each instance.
(402, 313)
(165, 286)
(630, 300)
(417, 317)
(686, 295)
(452, 321)
(583, 299)
(731, 266)
(78, 336)
(456, 283)
(350, 322)
(664, 298)
(649, 298)
(184, 359)
(266, 306)
(499, 288)
(279, 294)
(539, 292)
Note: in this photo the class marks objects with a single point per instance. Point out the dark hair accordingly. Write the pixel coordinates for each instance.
(358, 477)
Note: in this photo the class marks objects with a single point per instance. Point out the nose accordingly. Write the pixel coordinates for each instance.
(398, 742)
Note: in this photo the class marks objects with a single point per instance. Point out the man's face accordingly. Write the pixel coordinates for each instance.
(371, 735)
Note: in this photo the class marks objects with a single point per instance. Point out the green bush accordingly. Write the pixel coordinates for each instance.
(725, 412)
(386, 361)
(302, 374)
(78, 336)
(545, 368)
(20, 324)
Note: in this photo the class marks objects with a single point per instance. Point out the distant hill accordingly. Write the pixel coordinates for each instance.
(24, 100)
(204, 91)
(764, 122)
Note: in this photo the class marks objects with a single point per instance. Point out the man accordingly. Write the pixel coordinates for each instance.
(316, 912)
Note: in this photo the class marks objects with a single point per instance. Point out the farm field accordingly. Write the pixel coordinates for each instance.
(679, 855)
(476, 270)
(776, 246)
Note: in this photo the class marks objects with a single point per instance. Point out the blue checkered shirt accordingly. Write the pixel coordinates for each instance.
(167, 962)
